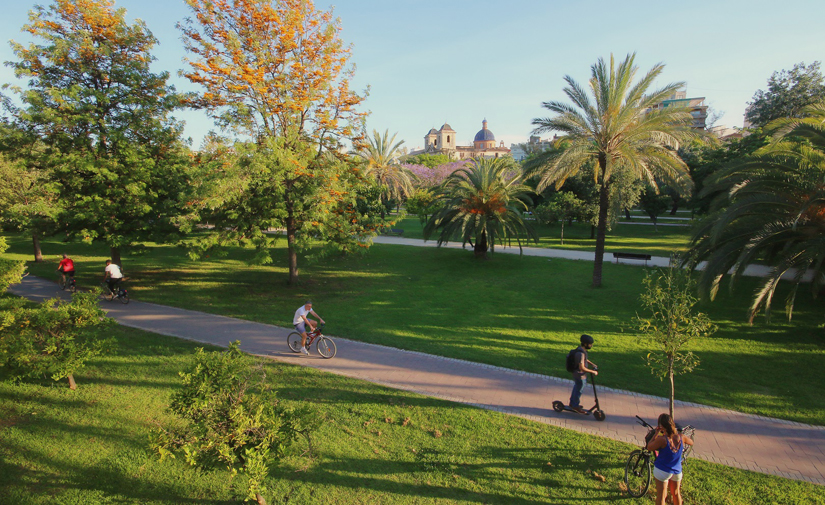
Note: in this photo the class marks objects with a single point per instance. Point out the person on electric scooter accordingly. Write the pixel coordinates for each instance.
(581, 370)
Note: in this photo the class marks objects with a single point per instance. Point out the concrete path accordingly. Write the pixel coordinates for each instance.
(771, 446)
(571, 254)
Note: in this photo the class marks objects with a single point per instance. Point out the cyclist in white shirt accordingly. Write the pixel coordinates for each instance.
(301, 322)
(113, 275)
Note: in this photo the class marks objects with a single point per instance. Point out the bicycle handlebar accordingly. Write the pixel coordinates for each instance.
(643, 422)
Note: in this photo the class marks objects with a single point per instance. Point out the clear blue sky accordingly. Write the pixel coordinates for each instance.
(457, 61)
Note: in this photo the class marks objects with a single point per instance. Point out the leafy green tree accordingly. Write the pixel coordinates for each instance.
(55, 338)
(671, 324)
(28, 201)
(278, 74)
(482, 205)
(770, 208)
(561, 207)
(10, 271)
(422, 203)
(654, 204)
(380, 157)
(428, 160)
(112, 148)
(788, 93)
(615, 131)
(232, 419)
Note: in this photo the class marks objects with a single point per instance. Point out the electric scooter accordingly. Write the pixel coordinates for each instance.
(597, 412)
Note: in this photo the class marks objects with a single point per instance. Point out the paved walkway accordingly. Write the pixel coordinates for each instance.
(571, 254)
(784, 448)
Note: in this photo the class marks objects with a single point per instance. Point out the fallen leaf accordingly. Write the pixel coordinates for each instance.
(599, 477)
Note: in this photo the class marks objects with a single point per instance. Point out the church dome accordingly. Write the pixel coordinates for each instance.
(484, 134)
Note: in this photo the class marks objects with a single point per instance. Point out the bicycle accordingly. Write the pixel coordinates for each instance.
(119, 293)
(325, 346)
(64, 283)
(638, 470)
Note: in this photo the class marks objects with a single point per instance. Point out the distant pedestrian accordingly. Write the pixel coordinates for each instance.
(668, 466)
(577, 364)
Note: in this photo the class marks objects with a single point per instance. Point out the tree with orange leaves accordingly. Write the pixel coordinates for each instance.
(277, 74)
(111, 147)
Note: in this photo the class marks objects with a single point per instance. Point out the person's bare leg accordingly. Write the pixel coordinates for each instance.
(676, 492)
(661, 492)
(304, 339)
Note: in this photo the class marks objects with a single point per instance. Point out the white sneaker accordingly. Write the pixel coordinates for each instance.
(304, 350)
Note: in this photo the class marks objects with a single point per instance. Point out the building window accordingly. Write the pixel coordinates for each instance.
(448, 139)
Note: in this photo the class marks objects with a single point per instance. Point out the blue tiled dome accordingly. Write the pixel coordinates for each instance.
(484, 134)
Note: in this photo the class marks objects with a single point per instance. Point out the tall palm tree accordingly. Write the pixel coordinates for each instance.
(482, 205)
(380, 155)
(769, 207)
(616, 130)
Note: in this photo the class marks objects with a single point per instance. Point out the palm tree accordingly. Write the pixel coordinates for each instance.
(616, 130)
(380, 155)
(482, 203)
(769, 207)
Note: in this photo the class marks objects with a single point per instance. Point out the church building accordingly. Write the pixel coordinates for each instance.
(443, 141)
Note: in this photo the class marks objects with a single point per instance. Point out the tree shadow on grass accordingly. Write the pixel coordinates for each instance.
(437, 474)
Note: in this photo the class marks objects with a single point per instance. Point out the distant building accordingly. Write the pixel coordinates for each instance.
(695, 105)
(443, 141)
(535, 145)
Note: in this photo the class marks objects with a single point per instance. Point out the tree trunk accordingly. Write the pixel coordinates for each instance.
(38, 254)
(561, 242)
(672, 391)
(115, 252)
(72, 384)
(655, 226)
(260, 499)
(592, 232)
(601, 231)
(292, 254)
(675, 206)
(480, 249)
(627, 213)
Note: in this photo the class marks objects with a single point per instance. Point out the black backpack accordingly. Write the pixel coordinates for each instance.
(571, 364)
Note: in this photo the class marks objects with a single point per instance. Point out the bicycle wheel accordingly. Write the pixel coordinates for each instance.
(690, 432)
(326, 347)
(61, 283)
(73, 286)
(294, 341)
(124, 297)
(637, 473)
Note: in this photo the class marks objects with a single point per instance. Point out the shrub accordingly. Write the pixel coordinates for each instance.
(54, 339)
(231, 419)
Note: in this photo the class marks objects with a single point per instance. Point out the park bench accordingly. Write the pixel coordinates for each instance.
(631, 256)
(396, 231)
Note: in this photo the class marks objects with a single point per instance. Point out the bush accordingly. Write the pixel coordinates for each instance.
(231, 419)
(53, 339)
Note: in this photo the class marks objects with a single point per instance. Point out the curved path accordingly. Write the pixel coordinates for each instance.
(784, 448)
(572, 254)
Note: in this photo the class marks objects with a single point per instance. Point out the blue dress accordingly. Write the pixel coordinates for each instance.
(669, 461)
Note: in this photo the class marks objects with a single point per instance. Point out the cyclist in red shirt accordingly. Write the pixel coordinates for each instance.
(66, 267)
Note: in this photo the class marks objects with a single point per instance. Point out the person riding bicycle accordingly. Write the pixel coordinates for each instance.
(580, 372)
(66, 267)
(667, 469)
(113, 276)
(301, 322)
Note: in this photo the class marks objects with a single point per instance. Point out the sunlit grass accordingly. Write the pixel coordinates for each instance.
(375, 445)
(523, 313)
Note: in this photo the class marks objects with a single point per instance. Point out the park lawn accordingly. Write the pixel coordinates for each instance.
(376, 445)
(634, 238)
(522, 313)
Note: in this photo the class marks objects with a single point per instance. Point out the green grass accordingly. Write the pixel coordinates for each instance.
(377, 445)
(623, 238)
(523, 313)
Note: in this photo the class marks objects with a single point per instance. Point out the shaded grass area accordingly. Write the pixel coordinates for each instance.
(522, 313)
(623, 238)
(376, 445)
